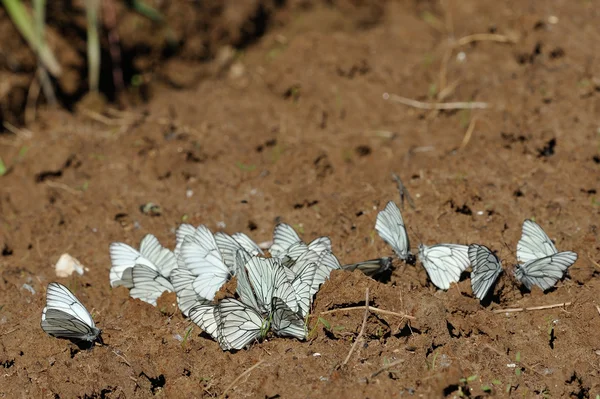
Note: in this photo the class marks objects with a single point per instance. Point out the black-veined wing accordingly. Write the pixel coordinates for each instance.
(444, 263)
(239, 325)
(206, 263)
(370, 267)
(284, 236)
(287, 323)
(390, 227)
(486, 269)
(148, 284)
(545, 272)
(182, 280)
(65, 317)
(534, 243)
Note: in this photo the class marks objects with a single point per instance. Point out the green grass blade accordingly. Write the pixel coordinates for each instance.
(23, 21)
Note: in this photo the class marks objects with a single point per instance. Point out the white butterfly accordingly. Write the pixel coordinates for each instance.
(371, 268)
(542, 264)
(486, 269)
(268, 279)
(231, 323)
(444, 263)
(200, 254)
(390, 227)
(151, 254)
(287, 323)
(182, 280)
(65, 317)
(148, 284)
(287, 243)
(229, 245)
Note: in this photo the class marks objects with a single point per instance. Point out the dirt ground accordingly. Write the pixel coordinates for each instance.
(274, 111)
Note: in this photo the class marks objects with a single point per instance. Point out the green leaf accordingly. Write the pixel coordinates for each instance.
(518, 357)
(471, 378)
(3, 168)
(518, 372)
(325, 323)
(244, 167)
(486, 388)
(496, 382)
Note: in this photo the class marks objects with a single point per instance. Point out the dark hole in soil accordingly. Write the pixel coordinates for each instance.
(8, 363)
(7, 251)
(363, 150)
(48, 174)
(156, 382)
(548, 149)
(252, 225)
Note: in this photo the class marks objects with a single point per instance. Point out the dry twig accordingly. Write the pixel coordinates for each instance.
(515, 310)
(468, 134)
(403, 191)
(436, 106)
(362, 328)
(239, 377)
(483, 37)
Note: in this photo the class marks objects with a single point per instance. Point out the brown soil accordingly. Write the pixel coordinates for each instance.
(290, 124)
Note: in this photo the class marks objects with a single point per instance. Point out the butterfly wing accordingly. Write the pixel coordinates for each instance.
(486, 269)
(444, 263)
(371, 267)
(163, 258)
(248, 244)
(239, 324)
(207, 318)
(182, 231)
(287, 323)
(182, 280)
(284, 236)
(206, 264)
(545, 272)
(390, 227)
(244, 289)
(148, 284)
(64, 316)
(123, 258)
(268, 279)
(534, 243)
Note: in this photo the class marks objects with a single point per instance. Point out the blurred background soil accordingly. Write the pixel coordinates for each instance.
(241, 114)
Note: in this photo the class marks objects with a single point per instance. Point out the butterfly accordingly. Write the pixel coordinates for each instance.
(182, 280)
(262, 279)
(149, 284)
(486, 269)
(287, 243)
(372, 267)
(231, 323)
(542, 264)
(230, 244)
(390, 227)
(287, 323)
(444, 263)
(151, 254)
(65, 317)
(200, 254)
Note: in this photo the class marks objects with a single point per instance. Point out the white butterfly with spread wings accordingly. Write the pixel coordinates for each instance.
(486, 269)
(151, 254)
(390, 227)
(542, 264)
(65, 317)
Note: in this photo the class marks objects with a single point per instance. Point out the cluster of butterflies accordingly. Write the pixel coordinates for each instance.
(540, 263)
(275, 293)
